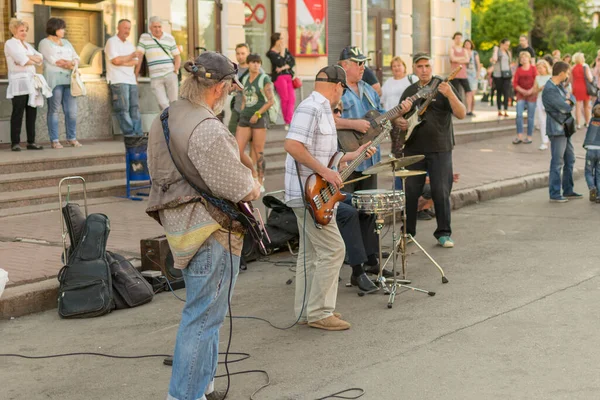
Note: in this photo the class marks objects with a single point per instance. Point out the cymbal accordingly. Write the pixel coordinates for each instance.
(392, 163)
(405, 173)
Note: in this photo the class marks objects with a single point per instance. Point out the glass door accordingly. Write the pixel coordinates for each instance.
(380, 41)
(207, 25)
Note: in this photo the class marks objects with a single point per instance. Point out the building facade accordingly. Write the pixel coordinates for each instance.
(382, 28)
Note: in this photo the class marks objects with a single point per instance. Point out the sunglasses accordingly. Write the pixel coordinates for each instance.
(359, 63)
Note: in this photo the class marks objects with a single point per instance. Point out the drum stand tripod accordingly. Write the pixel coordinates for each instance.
(400, 246)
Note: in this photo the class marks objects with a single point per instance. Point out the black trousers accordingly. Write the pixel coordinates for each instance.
(439, 167)
(19, 106)
(358, 232)
(503, 89)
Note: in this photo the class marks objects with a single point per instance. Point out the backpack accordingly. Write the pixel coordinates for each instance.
(130, 288)
(85, 288)
(273, 111)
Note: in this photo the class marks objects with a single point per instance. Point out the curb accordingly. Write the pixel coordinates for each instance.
(41, 296)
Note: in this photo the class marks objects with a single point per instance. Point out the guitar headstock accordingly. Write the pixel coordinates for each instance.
(454, 72)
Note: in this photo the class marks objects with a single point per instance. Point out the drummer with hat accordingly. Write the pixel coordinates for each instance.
(433, 138)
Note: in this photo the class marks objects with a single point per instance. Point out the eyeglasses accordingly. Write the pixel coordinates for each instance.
(359, 63)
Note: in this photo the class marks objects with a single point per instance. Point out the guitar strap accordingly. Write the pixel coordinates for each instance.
(371, 102)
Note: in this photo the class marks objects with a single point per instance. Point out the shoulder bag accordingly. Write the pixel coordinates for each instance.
(77, 86)
(171, 57)
(591, 88)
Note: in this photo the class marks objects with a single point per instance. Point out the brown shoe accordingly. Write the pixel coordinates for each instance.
(330, 323)
(335, 314)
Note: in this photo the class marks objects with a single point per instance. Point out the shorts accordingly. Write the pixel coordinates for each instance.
(462, 82)
(262, 123)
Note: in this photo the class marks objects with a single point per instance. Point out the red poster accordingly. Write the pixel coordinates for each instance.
(307, 27)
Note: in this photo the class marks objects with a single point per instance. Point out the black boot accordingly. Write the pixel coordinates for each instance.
(363, 283)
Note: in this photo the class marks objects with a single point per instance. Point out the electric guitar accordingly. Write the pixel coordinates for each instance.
(350, 140)
(322, 196)
(416, 117)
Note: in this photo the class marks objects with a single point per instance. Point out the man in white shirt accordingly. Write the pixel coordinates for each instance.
(121, 60)
(163, 60)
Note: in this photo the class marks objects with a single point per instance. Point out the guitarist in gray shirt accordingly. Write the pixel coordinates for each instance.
(434, 138)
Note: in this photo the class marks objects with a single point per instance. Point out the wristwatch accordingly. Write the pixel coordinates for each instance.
(258, 115)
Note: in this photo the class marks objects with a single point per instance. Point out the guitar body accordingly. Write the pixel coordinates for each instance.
(350, 140)
(414, 120)
(322, 196)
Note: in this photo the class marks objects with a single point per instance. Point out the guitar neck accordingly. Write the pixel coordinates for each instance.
(356, 162)
(396, 111)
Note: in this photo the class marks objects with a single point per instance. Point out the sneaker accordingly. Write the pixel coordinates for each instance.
(330, 323)
(305, 322)
(15, 147)
(262, 188)
(573, 196)
(215, 395)
(33, 146)
(446, 242)
(593, 194)
(423, 216)
(543, 147)
(559, 200)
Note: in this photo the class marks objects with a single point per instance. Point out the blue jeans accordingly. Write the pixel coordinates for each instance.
(521, 104)
(207, 279)
(125, 102)
(563, 158)
(61, 94)
(592, 168)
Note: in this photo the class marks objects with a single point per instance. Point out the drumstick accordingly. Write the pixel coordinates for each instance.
(354, 180)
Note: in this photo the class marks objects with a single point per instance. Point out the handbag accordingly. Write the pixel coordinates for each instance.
(590, 87)
(296, 82)
(77, 86)
(506, 74)
(568, 125)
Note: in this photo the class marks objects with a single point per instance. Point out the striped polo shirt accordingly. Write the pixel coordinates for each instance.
(159, 63)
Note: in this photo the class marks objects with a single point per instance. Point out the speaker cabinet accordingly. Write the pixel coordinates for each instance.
(156, 255)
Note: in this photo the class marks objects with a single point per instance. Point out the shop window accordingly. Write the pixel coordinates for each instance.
(257, 28)
(116, 10)
(4, 34)
(207, 18)
(179, 28)
(421, 26)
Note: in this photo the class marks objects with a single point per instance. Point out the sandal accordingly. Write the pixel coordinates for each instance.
(74, 143)
(57, 145)
(517, 141)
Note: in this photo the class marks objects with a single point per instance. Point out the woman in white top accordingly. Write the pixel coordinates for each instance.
(544, 72)
(21, 59)
(59, 60)
(394, 87)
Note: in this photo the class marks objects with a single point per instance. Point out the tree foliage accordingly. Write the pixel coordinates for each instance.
(573, 10)
(557, 28)
(505, 19)
(589, 49)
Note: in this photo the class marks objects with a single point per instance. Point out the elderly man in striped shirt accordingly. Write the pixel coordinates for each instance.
(162, 56)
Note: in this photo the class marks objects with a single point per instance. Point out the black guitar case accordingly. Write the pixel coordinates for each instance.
(85, 288)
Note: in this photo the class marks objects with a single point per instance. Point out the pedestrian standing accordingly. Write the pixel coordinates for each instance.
(242, 50)
(472, 75)
(579, 75)
(121, 60)
(283, 63)
(164, 60)
(394, 87)
(543, 74)
(526, 97)
(524, 46)
(371, 78)
(592, 155)
(205, 243)
(60, 58)
(459, 57)
(21, 59)
(559, 104)
(502, 75)
(253, 123)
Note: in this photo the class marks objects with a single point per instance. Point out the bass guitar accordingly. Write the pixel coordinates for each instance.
(350, 140)
(416, 117)
(322, 196)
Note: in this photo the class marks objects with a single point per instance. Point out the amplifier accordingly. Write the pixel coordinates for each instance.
(156, 255)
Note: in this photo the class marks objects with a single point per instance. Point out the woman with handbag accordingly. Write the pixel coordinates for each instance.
(502, 74)
(21, 59)
(282, 75)
(581, 76)
(60, 59)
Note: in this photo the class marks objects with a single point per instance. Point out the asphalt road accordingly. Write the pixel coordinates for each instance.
(519, 319)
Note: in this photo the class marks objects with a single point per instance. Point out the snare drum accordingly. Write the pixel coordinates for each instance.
(377, 201)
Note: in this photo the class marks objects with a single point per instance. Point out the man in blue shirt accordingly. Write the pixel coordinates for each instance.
(358, 99)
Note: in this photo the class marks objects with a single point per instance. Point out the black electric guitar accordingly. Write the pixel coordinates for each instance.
(350, 140)
(415, 118)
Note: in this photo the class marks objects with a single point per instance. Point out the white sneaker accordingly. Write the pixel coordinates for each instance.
(543, 146)
(262, 188)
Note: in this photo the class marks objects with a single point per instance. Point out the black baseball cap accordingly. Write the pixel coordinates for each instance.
(217, 67)
(421, 56)
(353, 53)
(335, 74)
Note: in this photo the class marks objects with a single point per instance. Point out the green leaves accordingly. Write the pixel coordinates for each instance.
(505, 19)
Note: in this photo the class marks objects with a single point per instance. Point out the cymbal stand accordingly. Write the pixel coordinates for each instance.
(381, 280)
(400, 247)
